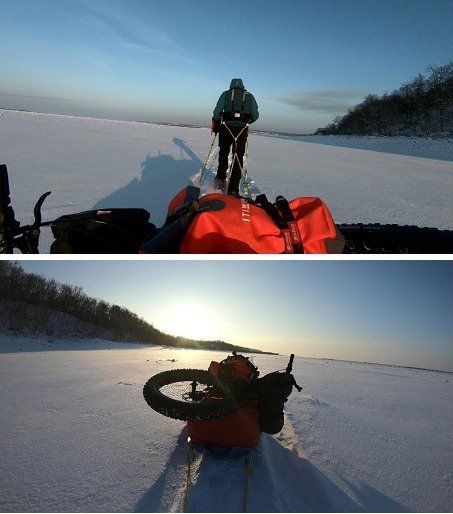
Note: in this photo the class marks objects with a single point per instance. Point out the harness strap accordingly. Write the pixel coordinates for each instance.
(247, 125)
(243, 99)
(235, 142)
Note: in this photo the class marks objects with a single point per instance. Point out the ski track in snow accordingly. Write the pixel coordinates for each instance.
(77, 436)
(91, 163)
(280, 478)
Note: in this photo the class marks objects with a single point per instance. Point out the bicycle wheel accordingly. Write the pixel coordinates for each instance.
(171, 393)
(377, 238)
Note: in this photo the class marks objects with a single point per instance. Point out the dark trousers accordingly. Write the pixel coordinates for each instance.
(226, 141)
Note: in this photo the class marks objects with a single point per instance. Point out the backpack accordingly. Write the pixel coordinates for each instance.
(237, 105)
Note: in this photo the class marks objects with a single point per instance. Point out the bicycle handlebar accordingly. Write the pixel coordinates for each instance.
(289, 368)
(12, 235)
(8, 220)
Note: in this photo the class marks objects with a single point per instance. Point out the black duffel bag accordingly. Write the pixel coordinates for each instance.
(273, 391)
(102, 231)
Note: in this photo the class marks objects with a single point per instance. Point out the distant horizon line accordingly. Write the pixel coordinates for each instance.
(378, 364)
(166, 123)
(257, 352)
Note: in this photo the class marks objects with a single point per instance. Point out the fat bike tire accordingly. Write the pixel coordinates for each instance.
(395, 239)
(183, 410)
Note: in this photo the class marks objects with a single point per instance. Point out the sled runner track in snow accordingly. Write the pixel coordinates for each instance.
(232, 469)
(129, 230)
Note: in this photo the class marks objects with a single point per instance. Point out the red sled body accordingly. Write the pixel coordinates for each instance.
(238, 429)
(242, 427)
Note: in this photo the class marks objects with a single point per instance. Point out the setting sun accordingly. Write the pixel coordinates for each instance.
(188, 319)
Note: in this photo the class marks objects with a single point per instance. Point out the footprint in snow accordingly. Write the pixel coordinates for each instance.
(315, 401)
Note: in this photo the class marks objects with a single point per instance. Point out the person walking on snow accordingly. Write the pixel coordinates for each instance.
(236, 109)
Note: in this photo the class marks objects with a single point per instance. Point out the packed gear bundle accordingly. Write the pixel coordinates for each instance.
(217, 223)
(226, 416)
(234, 407)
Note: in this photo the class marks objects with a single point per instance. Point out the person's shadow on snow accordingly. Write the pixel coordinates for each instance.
(162, 177)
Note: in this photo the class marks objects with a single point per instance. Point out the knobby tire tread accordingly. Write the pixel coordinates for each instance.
(179, 409)
(395, 239)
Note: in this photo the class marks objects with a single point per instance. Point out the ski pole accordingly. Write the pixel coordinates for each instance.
(208, 157)
(245, 181)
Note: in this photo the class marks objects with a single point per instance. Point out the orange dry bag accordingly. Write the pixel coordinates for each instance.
(217, 223)
(241, 428)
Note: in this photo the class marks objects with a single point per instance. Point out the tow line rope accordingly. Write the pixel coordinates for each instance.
(248, 472)
(191, 454)
(190, 458)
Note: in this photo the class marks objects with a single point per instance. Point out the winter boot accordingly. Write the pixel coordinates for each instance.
(219, 184)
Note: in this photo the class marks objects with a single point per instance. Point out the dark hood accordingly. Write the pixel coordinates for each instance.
(237, 83)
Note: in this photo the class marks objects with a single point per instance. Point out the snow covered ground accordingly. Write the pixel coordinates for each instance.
(91, 163)
(77, 436)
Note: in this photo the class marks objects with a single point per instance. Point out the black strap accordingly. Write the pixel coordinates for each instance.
(282, 224)
(285, 210)
(228, 115)
(271, 210)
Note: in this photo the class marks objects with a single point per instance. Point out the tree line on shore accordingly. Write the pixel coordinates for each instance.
(28, 290)
(421, 107)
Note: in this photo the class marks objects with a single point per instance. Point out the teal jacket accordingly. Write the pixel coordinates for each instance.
(236, 106)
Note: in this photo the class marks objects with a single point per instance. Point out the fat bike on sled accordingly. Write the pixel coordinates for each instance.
(210, 224)
(206, 395)
(226, 409)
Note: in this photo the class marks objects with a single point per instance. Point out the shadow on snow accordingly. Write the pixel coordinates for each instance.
(162, 177)
(407, 146)
(281, 481)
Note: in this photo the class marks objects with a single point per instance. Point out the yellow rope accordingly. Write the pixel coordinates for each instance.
(248, 472)
(190, 459)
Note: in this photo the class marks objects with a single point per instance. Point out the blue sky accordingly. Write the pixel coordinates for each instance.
(396, 312)
(305, 61)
